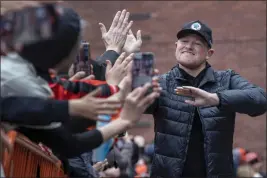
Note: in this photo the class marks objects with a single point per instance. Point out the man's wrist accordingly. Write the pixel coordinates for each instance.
(116, 49)
(215, 101)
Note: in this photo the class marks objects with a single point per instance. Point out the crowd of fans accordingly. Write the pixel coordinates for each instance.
(69, 129)
(246, 163)
(29, 68)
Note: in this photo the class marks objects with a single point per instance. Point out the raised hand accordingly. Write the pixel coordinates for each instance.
(136, 103)
(133, 44)
(91, 107)
(115, 73)
(115, 37)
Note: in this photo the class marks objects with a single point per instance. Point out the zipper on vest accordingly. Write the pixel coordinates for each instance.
(204, 133)
(186, 149)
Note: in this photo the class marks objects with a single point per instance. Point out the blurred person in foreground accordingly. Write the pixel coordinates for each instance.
(195, 113)
(70, 21)
(79, 83)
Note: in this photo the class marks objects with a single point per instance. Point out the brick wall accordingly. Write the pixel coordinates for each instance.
(239, 30)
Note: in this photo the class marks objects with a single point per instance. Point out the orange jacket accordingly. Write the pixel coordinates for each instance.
(64, 89)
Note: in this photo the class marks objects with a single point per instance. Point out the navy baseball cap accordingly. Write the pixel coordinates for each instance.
(199, 28)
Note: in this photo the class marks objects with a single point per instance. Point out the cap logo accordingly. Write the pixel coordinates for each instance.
(196, 26)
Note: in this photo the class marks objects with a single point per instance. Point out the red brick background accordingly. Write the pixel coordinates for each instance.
(243, 23)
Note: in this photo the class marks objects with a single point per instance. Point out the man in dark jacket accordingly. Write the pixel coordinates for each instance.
(194, 125)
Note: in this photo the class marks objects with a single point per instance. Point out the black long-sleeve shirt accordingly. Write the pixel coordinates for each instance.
(36, 111)
(99, 65)
(33, 110)
(64, 143)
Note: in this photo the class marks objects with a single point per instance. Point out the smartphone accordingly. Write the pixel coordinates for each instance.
(83, 59)
(143, 69)
(29, 25)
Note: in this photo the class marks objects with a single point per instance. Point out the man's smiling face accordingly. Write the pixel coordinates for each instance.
(192, 51)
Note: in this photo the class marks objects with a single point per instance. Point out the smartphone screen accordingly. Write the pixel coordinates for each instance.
(83, 62)
(29, 25)
(143, 69)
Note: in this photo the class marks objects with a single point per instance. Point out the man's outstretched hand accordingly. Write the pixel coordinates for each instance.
(200, 97)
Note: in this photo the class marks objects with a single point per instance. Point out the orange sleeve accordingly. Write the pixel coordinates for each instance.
(64, 89)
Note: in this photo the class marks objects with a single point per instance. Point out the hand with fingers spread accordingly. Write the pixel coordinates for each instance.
(133, 44)
(115, 37)
(136, 103)
(115, 73)
(200, 97)
(91, 107)
(134, 106)
(125, 85)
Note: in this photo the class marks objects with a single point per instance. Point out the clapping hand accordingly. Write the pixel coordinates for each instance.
(115, 37)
